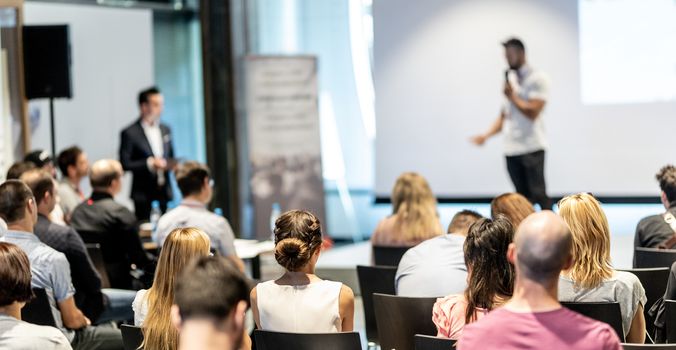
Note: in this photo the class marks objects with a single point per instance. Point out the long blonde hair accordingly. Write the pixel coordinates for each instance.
(180, 247)
(415, 208)
(591, 239)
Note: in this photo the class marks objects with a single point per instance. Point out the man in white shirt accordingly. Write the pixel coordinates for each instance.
(195, 184)
(526, 91)
(74, 166)
(436, 267)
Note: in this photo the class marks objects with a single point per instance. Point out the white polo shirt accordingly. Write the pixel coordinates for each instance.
(523, 135)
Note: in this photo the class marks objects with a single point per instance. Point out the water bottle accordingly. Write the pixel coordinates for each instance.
(218, 211)
(155, 213)
(275, 212)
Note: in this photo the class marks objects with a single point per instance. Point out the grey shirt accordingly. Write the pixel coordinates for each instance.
(624, 288)
(18, 335)
(433, 268)
(49, 269)
(68, 196)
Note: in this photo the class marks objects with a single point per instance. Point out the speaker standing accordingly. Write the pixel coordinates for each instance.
(521, 120)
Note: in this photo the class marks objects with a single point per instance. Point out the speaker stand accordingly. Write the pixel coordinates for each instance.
(51, 124)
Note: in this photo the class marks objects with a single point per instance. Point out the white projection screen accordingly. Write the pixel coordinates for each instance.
(611, 114)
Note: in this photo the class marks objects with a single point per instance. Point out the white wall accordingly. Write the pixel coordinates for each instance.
(438, 77)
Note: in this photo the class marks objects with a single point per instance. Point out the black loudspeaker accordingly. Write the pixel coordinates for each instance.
(47, 61)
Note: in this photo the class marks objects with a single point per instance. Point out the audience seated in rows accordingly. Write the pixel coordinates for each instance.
(74, 167)
(104, 221)
(490, 279)
(591, 278)
(512, 205)
(414, 214)
(152, 306)
(50, 270)
(439, 260)
(299, 301)
(533, 317)
(660, 230)
(211, 299)
(15, 292)
(115, 304)
(196, 187)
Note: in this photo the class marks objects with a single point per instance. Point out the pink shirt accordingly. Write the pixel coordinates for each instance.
(558, 329)
(448, 315)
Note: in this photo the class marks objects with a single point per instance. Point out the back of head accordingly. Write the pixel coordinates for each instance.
(667, 179)
(591, 239)
(415, 206)
(68, 157)
(543, 246)
(40, 182)
(15, 275)
(490, 273)
(103, 172)
(462, 220)
(38, 157)
(190, 177)
(298, 235)
(512, 205)
(17, 169)
(13, 197)
(180, 247)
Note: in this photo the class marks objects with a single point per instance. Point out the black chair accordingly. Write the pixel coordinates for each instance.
(654, 281)
(388, 256)
(399, 319)
(429, 342)
(132, 337)
(266, 340)
(605, 312)
(648, 346)
(94, 251)
(670, 314)
(653, 257)
(38, 311)
(374, 279)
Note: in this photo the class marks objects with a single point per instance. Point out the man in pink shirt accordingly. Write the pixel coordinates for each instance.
(533, 318)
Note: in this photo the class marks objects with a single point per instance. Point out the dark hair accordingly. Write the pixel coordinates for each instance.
(145, 94)
(515, 43)
(462, 220)
(15, 275)
(486, 256)
(667, 179)
(190, 177)
(13, 197)
(18, 168)
(68, 157)
(298, 234)
(210, 287)
(40, 182)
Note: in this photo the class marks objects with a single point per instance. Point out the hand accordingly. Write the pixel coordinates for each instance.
(87, 322)
(478, 140)
(662, 246)
(159, 163)
(508, 91)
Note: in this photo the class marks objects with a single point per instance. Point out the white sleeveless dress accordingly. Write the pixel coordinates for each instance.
(310, 308)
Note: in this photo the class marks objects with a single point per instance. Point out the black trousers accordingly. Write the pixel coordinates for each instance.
(527, 172)
(142, 208)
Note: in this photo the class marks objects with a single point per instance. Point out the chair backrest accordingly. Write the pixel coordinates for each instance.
(388, 256)
(670, 315)
(653, 257)
(605, 312)
(648, 346)
(654, 281)
(38, 311)
(430, 342)
(132, 337)
(94, 251)
(374, 279)
(267, 340)
(399, 319)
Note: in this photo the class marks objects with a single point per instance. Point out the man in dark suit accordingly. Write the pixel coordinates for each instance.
(146, 150)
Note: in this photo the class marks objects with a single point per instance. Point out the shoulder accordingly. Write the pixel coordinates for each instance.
(139, 299)
(627, 279)
(346, 293)
(131, 128)
(43, 334)
(448, 304)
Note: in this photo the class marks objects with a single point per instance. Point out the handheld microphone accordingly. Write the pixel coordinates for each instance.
(507, 75)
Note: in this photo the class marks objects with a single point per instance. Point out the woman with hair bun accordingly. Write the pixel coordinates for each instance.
(299, 301)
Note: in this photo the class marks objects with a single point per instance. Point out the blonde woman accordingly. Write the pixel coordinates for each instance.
(592, 278)
(152, 307)
(512, 205)
(414, 214)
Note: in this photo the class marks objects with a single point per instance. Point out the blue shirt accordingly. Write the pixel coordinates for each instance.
(49, 269)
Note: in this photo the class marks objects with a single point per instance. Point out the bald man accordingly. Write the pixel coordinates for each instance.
(534, 318)
(102, 220)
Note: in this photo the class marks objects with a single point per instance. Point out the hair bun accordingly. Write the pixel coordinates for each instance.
(292, 253)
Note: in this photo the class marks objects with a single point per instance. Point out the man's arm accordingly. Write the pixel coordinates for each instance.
(72, 317)
(126, 150)
(495, 128)
(530, 107)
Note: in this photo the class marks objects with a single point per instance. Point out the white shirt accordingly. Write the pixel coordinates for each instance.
(20, 335)
(154, 135)
(140, 307)
(522, 134)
